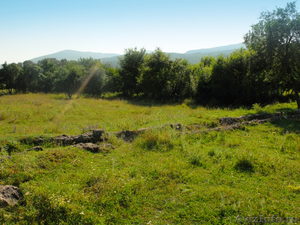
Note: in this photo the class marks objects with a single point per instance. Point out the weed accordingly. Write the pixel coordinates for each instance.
(12, 146)
(195, 160)
(211, 152)
(257, 108)
(295, 189)
(157, 140)
(244, 165)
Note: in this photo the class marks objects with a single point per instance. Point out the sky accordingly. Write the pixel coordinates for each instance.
(33, 28)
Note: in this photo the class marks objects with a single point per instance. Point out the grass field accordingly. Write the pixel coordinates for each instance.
(162, 177)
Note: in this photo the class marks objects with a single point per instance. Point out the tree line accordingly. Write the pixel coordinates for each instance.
(267, 70)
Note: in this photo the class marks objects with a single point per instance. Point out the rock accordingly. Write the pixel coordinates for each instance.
(98, 134)
(228, 120)
(63, 140)
(88, 146)
(10, 195)
(262, 116)
(91, 136)
(82, 138)
(127, 135)
(36, 148)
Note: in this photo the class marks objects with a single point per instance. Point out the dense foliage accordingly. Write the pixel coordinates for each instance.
(266, 71)
(276, 43)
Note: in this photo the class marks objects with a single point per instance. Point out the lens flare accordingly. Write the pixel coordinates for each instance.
(80, 90)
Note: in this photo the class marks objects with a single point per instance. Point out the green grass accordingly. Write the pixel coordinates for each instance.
(163, 177)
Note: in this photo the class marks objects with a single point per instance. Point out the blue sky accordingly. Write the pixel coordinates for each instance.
(32, 28)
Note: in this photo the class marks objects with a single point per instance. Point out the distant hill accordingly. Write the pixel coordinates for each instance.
(217, 49)
(75, 55)
(193, 56)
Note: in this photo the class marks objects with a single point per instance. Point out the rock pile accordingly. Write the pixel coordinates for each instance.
(259, 117)
(233, 120)
(93, 136)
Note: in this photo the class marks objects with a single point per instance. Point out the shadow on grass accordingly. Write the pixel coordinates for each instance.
(141, 100)
(268, 112)
(244, 165)
(288, 125)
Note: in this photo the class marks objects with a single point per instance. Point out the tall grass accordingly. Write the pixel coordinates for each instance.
(162, 177)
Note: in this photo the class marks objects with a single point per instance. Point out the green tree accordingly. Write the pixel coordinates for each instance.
(164, 79)
(180, 80)
(28, 79)
(201, 73)
(49, 65)
(9, 74)
(95, 76)
(155, 77)
(130, 70)
(69, 78)
(113, 82)
(95, 82)
(89, 64)
(276, 41)
(46, 79)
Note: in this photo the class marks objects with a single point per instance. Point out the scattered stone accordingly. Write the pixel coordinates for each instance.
(10, 195)
(127, 135)
(88, 146)
(233, 120)
(91, 136)
(36, 148)
(227, 123)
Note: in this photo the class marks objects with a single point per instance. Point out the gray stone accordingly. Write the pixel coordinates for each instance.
(90, 136)
(88, 146)
(36, 148)
(10, 195)
(98, 134)
(127, 135)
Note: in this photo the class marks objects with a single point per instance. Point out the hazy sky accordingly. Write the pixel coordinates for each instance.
(32, 28)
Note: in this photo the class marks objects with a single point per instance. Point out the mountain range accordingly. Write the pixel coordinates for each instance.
(193, 56)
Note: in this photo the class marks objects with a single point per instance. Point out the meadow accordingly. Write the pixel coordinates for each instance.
(162, 177)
